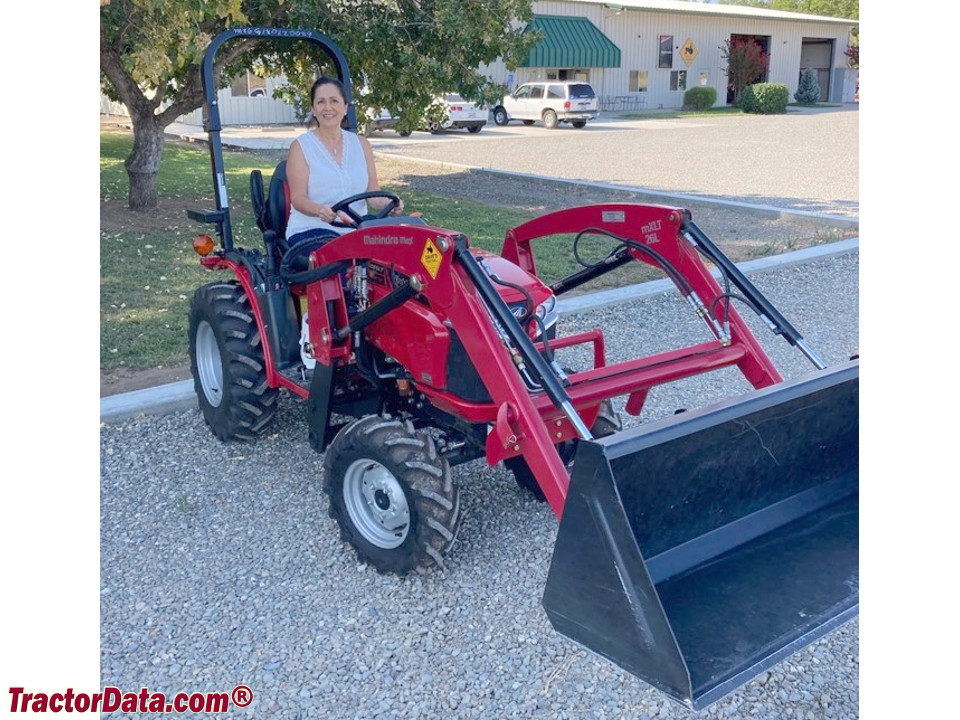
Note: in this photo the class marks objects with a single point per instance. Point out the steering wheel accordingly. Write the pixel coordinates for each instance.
(344, 207)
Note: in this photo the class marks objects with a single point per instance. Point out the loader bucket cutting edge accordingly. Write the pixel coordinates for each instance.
(698, 551)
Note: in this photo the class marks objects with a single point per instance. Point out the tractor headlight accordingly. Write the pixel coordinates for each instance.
(547, 312)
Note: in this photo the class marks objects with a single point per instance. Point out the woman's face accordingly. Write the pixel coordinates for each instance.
(329, 106)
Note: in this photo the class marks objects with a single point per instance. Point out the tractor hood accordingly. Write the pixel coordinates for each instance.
(505, 274)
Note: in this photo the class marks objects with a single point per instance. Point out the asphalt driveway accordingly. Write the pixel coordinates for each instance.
(803, 160)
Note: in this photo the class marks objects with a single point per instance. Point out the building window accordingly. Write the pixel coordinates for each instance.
(678, 80)
(248, 85)
(638, 81)
(666, 51)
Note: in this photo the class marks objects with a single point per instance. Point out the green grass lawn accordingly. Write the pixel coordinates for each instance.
(709, 112)
(148, 270)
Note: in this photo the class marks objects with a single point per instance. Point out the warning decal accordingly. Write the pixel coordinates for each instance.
(431, 258)
(688, 52)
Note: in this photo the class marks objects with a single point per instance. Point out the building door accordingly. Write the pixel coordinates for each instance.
(817, 53)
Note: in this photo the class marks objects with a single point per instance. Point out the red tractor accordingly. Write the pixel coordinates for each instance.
(416, 352)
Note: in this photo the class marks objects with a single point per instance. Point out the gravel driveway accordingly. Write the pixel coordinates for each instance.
(220, 567)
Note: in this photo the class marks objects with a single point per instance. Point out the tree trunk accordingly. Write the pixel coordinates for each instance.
(144, 160)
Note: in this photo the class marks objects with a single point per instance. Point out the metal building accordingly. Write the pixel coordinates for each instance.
(645, 54)
(637, 54)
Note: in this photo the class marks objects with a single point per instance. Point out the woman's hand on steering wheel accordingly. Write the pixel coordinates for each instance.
(394, 205)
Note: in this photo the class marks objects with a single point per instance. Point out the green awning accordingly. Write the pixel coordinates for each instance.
(570, 42)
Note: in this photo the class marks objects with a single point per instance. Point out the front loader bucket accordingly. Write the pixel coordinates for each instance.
(699, 551)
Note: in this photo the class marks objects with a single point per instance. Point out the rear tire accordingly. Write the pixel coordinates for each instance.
(391, 495)
(578, 123)
(550, 119)
(500, 116)
(434, 128)
(607, 423)
(528, 122)
(227, 362)
(474, 128)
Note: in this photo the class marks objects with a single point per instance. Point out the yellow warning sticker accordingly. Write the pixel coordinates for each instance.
(688, 52)
(431, 258)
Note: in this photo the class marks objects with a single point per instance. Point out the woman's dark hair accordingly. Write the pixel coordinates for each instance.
(325, 80)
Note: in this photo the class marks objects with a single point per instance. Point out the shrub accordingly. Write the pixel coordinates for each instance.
(764, 98)
(699, 98)
(808, 91)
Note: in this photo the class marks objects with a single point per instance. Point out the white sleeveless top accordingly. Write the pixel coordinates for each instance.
(330, 182)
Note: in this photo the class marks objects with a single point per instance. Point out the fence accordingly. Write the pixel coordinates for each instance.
(623, 103)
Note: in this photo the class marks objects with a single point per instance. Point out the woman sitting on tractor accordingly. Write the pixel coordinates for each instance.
(326, 165)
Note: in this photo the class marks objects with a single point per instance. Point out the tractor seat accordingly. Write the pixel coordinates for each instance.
(273, 211)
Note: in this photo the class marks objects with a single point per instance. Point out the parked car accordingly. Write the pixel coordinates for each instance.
(380, 120)
(452, 111)
(552, 101)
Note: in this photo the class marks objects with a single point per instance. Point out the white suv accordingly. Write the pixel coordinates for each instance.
(553, 101)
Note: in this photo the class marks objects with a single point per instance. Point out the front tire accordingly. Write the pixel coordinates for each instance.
(227, 362)
(500, 116)
(391, 494)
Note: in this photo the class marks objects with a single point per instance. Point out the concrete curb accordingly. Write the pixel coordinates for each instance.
(178, 396)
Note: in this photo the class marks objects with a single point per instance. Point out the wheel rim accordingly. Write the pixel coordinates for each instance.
(209, 364)
(550, 119)
(376, 504)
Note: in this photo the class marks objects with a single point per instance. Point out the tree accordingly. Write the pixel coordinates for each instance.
(853, 53)
(746, 63)
(405, 50)
(808, 92)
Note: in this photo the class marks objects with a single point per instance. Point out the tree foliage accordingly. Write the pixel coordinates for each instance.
(403, 51)
(808, 91)
(746, 63)
(853, 53)
(849, 9)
